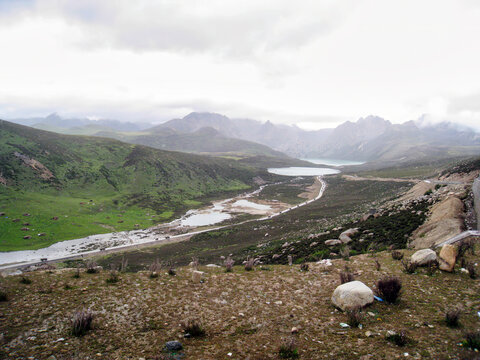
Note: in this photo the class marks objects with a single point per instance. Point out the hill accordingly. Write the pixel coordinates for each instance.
(92, 185)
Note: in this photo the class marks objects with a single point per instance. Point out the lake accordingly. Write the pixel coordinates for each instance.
(303, 171)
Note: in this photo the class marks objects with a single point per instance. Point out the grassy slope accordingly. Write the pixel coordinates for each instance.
(126, 183)
(245, 313)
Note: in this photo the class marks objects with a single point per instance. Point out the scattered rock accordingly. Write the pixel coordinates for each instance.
(332, 242)
(423, 257)
(351, 295)
(313, 244)
(448, 257)
(345, 237)
(173, 346)
(197, 276)
(294, 330)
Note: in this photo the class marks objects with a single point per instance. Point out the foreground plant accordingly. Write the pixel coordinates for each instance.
(399, 339)
(249, 263)
(397, 255)
(25, 280)
(193, 328)
(155, 268)
(472, 340)
(409, 267)
(354, 317)
(288, 349)
(389, 289)
(228, 262)
(471, 270)
(452, 318)
(92, 267)
(82, 322)
(346, 276)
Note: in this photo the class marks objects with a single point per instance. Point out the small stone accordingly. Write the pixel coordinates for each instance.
(368, 333)
(173, 346)
(294, 330)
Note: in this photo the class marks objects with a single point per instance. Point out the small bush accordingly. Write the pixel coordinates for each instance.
(397, 255)
(288, 349)
(378, 266)
(91, 267)
(82, 322)
(354, 317)
(194, 328)
(172, 271)
(428, 192)
(113, 277)
(409, 267)
(76, 274)
(155, 268)
(399, 339)
(465, 246)
(471, 270)
(452, 317)
(249, 263)
(472, 340)
(228, 262)
(346, 276)
(389, 289)
(304, 267)
(3, 295)
(25, 280)
(195, 263)
(345, 252)
(432, 267)
(67, 286)
(123, 265)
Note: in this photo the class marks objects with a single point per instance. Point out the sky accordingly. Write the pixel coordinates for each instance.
(314, 63)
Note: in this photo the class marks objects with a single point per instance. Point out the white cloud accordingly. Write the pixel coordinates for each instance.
(310, 62)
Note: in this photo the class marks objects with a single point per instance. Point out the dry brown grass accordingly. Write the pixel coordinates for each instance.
(247, 313)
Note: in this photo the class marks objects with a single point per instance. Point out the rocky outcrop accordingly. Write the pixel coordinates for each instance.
(423, 257)
(445, 221)
(346, 236)
(352, 295)
(448, 257)
(332, 242)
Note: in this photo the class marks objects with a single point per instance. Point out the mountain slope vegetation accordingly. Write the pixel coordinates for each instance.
(72, 186)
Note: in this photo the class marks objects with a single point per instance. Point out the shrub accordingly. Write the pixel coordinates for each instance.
(346, 276)
(399, 339)
(194, 263)
(409, 267)
(452, 317)
(389, 289)
(25, 280)
(354, 317)
(123, 265)
(397, 255)
(378, 266)
(91, 267)
(249, 264)
(288, 349)
(67, 286)
(432, 267)
(428, 192)
(82, 322)
(471, 270)
(155, 268)
(304, 267)
(345, 252)
(464, 246)
(171, 271)
(3, 295)
(472, 340)
(194, 328)
(228, 262)
(76, 274)
(113, 277)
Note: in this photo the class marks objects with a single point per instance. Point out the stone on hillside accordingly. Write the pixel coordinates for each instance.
(332, 242)
(197, 276)
(423, 257)
(346, 236)
(448, 257)
(351, 295)
(173, 346)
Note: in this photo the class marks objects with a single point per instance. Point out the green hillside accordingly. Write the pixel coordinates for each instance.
(73, 186)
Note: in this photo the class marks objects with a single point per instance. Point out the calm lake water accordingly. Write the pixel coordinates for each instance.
(302, 171)
(333, 162)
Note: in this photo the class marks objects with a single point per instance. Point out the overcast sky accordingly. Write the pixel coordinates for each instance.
(314, 63)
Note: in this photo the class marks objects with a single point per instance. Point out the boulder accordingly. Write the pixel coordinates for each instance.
(448, 257)
(332, 242)
(345, 237)
(351, 295)
(423, 257)
(197, 276)
(173, 346)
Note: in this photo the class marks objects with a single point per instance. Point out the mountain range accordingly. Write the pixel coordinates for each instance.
(369, 139)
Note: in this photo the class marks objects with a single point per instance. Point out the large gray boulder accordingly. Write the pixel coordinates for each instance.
(423, 257)
(351, 295)
(346, 236)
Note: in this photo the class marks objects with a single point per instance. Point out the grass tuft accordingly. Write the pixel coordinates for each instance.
(346, 276)
(399, 339)
(82, 322)
(354, 317)
(193, 328)
(288, 349)
(25, 280)
(389, 289)
(472, 340)
(409, 267)
(3, 295)
(452, 318)
(397, 255)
